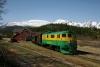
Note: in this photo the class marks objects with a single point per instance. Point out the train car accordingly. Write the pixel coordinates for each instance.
(37, 38)
(64, 41)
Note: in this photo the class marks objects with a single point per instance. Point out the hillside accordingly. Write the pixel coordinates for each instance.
(81, 32)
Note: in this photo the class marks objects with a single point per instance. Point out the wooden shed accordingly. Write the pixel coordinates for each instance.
(37, 37)
(21, 34)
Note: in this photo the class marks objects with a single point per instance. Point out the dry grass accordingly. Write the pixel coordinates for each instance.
(8, 58)
(91, 43)
(83, 45)
(56, 54)
(38, 60)
(92, 46)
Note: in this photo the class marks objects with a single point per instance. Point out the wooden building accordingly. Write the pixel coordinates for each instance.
(21, 34)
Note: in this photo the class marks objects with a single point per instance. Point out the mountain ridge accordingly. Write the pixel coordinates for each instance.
(37, 23)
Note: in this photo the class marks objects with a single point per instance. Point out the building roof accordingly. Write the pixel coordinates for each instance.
(18, 29)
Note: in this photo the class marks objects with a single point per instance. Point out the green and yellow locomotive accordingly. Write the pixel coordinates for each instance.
(63, 41)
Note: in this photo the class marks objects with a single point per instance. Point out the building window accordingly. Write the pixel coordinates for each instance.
(52, 36)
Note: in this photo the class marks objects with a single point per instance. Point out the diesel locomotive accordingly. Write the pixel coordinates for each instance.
(63, 41)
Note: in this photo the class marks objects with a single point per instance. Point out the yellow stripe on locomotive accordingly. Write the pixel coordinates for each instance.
(59, 37)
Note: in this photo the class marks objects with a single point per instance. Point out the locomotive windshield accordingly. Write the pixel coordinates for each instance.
(63, 35)
(69, 35)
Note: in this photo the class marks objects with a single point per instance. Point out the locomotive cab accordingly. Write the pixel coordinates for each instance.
(69, 43)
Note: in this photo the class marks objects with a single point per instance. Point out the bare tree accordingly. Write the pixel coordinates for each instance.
(2, 11)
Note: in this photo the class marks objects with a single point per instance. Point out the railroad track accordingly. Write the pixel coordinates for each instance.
(88, 56)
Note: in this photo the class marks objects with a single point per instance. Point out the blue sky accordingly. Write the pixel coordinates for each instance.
(52, 10)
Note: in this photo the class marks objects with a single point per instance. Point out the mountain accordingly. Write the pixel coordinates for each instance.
(91, 24)
(85, 24)
(67, 22)
(37, 23)
(30, 23)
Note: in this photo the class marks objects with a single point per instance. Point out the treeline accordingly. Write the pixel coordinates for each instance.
(6, 33)
(81, 32)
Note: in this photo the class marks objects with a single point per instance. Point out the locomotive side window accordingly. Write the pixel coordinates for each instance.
(63, 35)
(69, 35)
(58, 36)
(52, 36)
